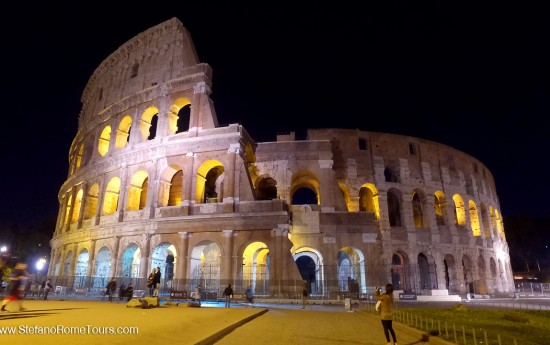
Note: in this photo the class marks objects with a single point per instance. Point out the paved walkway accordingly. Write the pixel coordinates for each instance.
(80, 322)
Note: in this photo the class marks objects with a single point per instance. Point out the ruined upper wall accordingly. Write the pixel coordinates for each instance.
(155, 56)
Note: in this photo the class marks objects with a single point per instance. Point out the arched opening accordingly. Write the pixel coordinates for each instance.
(102, 267)
(81, 269)
(256, 268)
(394, 208)
(129, 265)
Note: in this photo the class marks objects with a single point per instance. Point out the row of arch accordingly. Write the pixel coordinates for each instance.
(146, 129)
(305, 190)
(350, 273)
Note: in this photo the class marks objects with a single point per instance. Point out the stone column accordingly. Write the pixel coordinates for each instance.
(227, 268)
(183, 262)
(122, 193)
(230, 172)
(326, 185)
(73, 264)
(144, 268)
(188, 195)
(114, 257)
(83, 203)
(91, 260)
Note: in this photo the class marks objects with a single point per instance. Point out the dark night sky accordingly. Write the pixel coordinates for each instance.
(474, 77)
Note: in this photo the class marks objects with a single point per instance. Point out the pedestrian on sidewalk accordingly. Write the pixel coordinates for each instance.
(16, 286)
(386, 312)
(47, 288)
(121, 291)
(305, 295)
(227, 293)
(197, 294)
(156, 282)
(151, 282)
(129, 292)
(111, 288)
(249, 294)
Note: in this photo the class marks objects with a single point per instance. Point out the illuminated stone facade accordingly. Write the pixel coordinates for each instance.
(154, 181)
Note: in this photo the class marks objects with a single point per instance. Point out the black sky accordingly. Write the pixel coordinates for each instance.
(474, 77)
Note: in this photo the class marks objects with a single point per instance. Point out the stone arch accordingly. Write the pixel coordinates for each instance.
(171, 186)
(123, 132)
(467, 269)
(481, 283)
(452, 282)
(256, 268)
(500, 226)
(208, 184)
(440, 207)
(394, 207)
(418, 202)
(426, 272)
(485, 223)
(351, 270)
(266, 188)
(304, 188)
(81, 268)
(67, 264)
(205, 266)
(459, 210)
(130, 260)
(493, 220)
(76, 206)
(310, 264)
(391, 172)
(400, 272)
(102, 267)
(137, 191)
(368, 200)
(104, 141)
(112, 192)
(179, 116)
(148, 123)
(68, 206)
(474, 218)
(163, 256)
(92, 199)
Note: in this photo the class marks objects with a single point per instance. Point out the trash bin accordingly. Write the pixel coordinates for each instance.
(347, 304)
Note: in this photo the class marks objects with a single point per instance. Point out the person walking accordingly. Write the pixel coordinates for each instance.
(121, 291)
(47, 288)
(305, 295)
(151, 282)
(249, 294)
(129, 292)
(16, 285)
(156, 282)
(227, 293)
(111, 288)
(386, 312)
(197, 294)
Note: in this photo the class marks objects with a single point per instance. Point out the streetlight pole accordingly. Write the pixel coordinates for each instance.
(39, 266)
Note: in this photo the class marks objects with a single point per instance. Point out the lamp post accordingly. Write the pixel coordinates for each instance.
(39, 266)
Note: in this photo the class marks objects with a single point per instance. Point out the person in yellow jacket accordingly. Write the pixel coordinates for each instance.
(386, 312)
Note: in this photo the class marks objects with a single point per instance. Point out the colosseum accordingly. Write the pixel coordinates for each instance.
(155, 181)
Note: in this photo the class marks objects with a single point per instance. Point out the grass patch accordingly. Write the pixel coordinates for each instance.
(527, 327)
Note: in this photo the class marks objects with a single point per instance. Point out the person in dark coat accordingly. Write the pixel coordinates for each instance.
(129, 292)
(121, 292)
(111, 288)
(227, 293)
